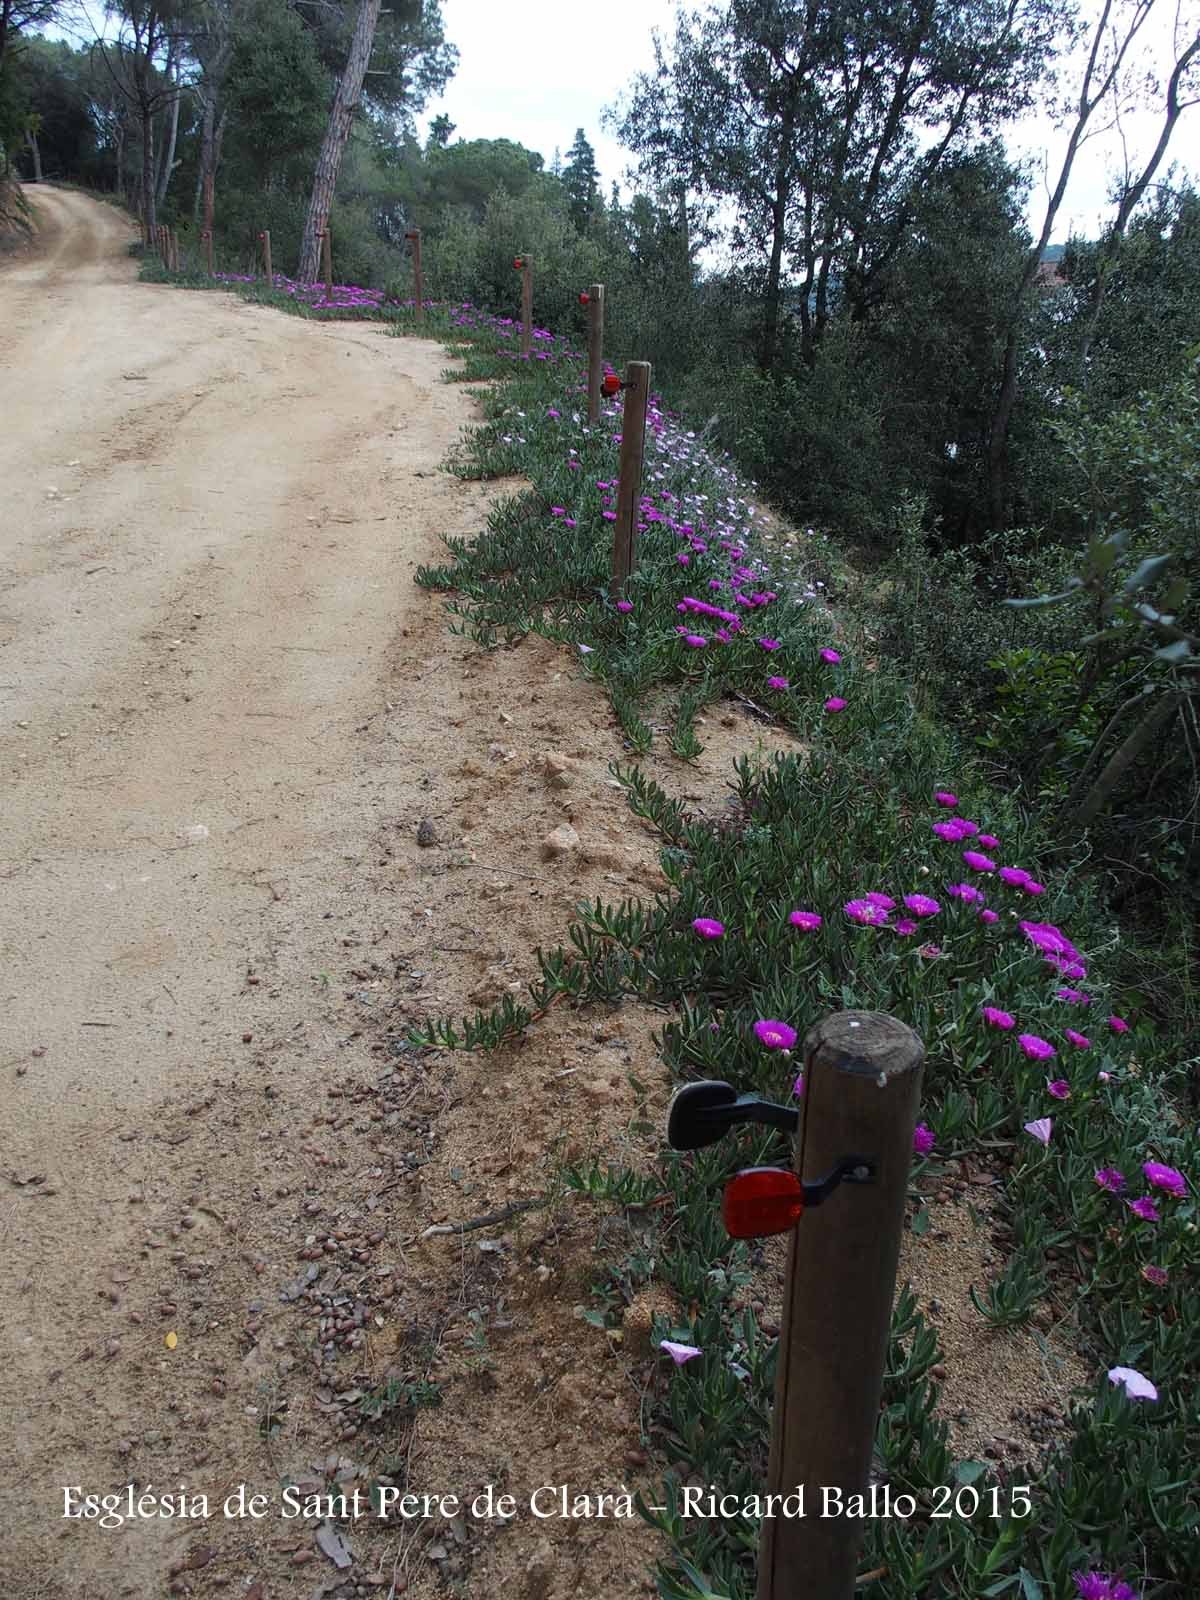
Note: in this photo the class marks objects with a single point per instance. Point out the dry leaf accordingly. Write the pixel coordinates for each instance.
(171, 1340)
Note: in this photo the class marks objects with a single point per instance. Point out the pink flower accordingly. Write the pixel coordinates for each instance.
(945, 798)
(1118, 1025)
(1073, 997)
(923, 1140)
(1059, 1088)
(995, 1018)
(777, 683)
(696, 640)
(1158, 1276)
(883, 901)
(978, 862)
(1101, 1586)
(798, 1086)
(1144, 1208)
(806, 921)
(774, 1035)
(679, 1353)
(1036, 1049)
(769, 644)
(708, 928)
(921, 905)
(930, 951)
(1041, 1129)
(831, 656)
(1169, 1179)
(865, 911)
(1134, 1384)
(1033, 888)
(835, 703)
(989, 841)
(948, 831)
(1079, 1040)
(1015, 877)
(1110, 1178)
(905, 926)
(625, 605)
(966, 892)
(989, 916)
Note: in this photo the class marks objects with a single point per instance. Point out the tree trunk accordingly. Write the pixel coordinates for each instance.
(149, 210)
(164, 177)
(341, 116)
(1149, 728)
(35, 152)
(119, 144)
(779, 215)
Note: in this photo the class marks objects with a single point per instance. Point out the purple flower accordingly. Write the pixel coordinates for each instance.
(1073, 997)
(966, 892)
(832, 657)
(835, 703)
(921, 905)
(883, 901)
(952, 830)
(1169, 1179)
(945, 798)
(905, 926)
(989, 916)
(774, 1035)
(798, 1086)
(989, 841)
(865, 911)
(1110, 1178)
(708, 927)
(1158, 1276)
(1079, 1040)
(978, 862)
(1059, 1088)
(1015, 877)
(995, 1018)
(1041, 1129)
(1144, 1208)
(679, 1353)
(777, 683)
(1134, 1384)
(923, 1140)
(1118, 1024)
(806, 921)
(1102, 1585)
(770, 644)
(696, 640)
(624, 605)
(1036, 1049)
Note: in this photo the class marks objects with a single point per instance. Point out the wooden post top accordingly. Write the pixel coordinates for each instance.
(865, 1044)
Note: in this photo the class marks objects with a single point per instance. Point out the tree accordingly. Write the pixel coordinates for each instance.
(440, 130)
(132, 58)
(580, 179)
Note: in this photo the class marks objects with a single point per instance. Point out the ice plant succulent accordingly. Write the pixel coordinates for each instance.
(1169, 1179)
(835, 703)
(708, 927)
(806, 921)
(1102, 1586)
(1036, 1049)
(1110, 1178)
(923, 1140)
(773, 1034)
(995, 1018)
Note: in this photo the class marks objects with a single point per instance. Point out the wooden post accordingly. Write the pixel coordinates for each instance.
(862, 1081)
(164, 249)
(414, 237)
(633, 447)
(526, 305)
(173, 238)
(265, 236)
(208, 250)
(595, 349)
(327, 262)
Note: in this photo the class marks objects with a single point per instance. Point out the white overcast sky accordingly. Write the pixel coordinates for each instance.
(536, 70)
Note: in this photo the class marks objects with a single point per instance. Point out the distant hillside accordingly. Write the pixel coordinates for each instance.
(1053, 252)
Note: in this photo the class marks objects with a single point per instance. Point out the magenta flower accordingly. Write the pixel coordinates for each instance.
(923, 1140)
(798, 1086)
(679, 1353)
(1134, 1384)
(978, 862)
(774, 1035)
(1169, 1179)
(777, 683)
(708, 927)
(1015, 877)
(921, 905)
(1033, 888)
(1118, 1024)
(1102, 1585)
(1079, 1040)
(1041, 1129)
(1110, 1178)
(989, 916)
(989, 841)
(625, 605)
(1158, 1276)
(696, 640)
(995, 1018)
(831, 656)
(1036, 1049)
(1059, 1088)
(966, 892)
(945, 798)
(770, 644)
(865, 911)
(1073, 997)
(905, 926)
(806, 921)
(883, 901)
(1144, 1208)
(835, 703)
(948, 831)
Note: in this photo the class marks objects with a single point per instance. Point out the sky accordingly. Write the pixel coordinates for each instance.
(537, 70)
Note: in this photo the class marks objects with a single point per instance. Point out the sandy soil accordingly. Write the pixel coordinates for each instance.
(225, 715)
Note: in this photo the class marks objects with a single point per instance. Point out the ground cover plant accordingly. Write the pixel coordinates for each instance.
(875, 870)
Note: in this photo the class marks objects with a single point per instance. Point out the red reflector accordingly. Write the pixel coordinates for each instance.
(585, 299)
(610, 383)
(761, 1200)
(518, 264)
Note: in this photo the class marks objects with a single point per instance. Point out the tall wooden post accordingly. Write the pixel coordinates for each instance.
(862, 1083)
(265, 237)
(629, 488)
(206, 235)
(526, 305)
(414, 237)
(327, 262)
(164, 249)
(595, 349)
(173, 246)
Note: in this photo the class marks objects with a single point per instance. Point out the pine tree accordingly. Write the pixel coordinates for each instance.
(579, 178)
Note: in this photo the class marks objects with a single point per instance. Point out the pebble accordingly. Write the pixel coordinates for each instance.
(426, 832)
(561, 842)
